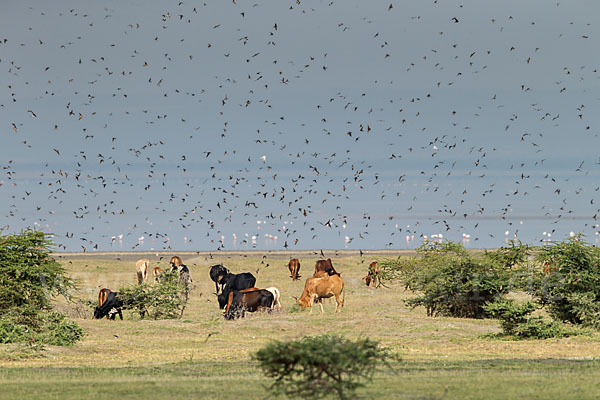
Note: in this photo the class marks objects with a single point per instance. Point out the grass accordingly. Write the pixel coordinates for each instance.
(203, 355)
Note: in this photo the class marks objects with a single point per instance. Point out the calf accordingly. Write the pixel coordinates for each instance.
(241, 281)
(251, 300)
(372, 278)
(157, 271)
(294, 267)
(218, 274)
(276, 297)
(325, 265)
(141, 268)
(109, 307)
(316, 289)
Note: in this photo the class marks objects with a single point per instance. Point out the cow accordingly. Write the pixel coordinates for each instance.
(294, 267)
(251, 300)
(241, 281)
(316, 289)
(102, 296)
(157, 271)
(372, 278)
(184, 279)
(111, 305)
(276, 297)
(175, 261)
(218, 274)
(141, 267)
(184, 273)
(325, 265)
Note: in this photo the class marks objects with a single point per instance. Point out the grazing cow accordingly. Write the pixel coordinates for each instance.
(141, 267)
(157, 271)
(276, 297)
(111, 305)
(184, 274)
(175, 262)
(102, 296)
(241, 281)
(317, 289)
(372, 278)
(294, 267)
(325, 265)
(218, 274)
(251, 300)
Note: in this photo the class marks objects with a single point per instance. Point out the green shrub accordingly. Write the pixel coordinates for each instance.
(29, 279)
(453, 281)
(510, 314)
(28, 274)
(570, 283)
(164, 300)
(516, 320)
(59, 331)
(320, 366)
(27, 326)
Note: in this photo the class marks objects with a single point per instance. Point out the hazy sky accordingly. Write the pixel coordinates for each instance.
(332, 123)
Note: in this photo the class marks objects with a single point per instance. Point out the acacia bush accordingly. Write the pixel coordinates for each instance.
(166, 299)
(569, 282)
(320, 366)
(29, 279)
(454, 282)
(516, 320)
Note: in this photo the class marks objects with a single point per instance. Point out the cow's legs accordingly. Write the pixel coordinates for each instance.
(338, 303)
(321, 304)
(312, 300)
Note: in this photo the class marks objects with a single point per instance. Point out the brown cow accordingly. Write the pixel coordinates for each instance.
(325, 265)
(294, 267)
(372, 278)
(317, 289)
(157, 271)
(251, 300)
(141, 268)
(175, 261)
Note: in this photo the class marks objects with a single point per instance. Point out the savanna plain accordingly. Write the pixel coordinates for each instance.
(202, 355)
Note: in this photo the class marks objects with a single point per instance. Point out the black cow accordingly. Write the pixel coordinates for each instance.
(251, 300)
(184, 273)
(233, 282)
(218, 274)
(110, 307)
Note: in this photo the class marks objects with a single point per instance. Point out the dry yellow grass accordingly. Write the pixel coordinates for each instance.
(202, 335)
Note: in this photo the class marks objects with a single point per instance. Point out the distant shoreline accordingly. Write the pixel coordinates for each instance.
(328, 253)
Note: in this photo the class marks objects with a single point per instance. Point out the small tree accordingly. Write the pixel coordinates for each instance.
(29, 276)
(569, 283)
(29, 279)
(316, 367)
(451, 281)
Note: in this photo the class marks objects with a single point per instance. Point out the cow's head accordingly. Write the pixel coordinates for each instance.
(98, 313)
(303, 301)
(367, 280)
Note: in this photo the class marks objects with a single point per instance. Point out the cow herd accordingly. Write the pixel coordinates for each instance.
(238, 294)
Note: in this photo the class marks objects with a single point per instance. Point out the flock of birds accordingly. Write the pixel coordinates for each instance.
(295, 122)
